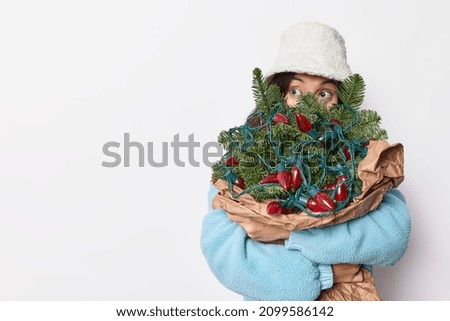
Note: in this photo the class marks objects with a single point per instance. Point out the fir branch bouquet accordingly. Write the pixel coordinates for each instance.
(305, 158)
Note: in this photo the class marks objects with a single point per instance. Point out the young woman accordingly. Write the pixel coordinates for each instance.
(312, 58)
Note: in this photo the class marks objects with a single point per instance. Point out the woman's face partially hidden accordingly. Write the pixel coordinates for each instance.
(323, 88)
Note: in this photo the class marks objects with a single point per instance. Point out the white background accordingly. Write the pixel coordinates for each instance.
(77, 74)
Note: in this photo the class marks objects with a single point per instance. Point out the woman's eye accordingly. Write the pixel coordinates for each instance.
(325, 95)
(295, 91)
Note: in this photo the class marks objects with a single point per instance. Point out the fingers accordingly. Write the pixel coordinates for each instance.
(347, 273)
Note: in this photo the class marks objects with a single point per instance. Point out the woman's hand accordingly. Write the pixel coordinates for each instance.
(344, 272)
(260, 231)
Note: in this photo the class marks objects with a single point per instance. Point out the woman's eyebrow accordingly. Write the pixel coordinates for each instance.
(329, 81)
(326, 81)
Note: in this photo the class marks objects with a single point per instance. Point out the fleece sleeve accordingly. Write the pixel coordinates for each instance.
(257, 270)
(378, 238)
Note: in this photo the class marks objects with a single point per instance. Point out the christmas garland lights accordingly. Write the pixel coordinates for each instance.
(304, 157)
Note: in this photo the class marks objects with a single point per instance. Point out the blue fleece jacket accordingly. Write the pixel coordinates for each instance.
(301, 269)
(379, 238)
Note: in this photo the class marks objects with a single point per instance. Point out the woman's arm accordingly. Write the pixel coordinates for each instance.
(258, 270)
(378, 238)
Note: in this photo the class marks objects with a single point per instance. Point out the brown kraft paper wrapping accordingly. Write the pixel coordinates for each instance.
(379, 171)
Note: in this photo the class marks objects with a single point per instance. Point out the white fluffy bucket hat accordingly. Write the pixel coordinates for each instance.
(313, 48)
